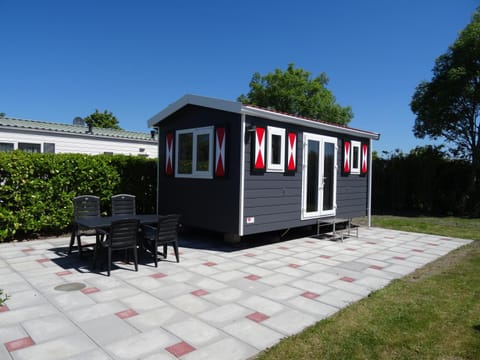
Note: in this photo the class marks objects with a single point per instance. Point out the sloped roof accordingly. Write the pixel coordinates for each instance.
(236, 107)
(6, 122)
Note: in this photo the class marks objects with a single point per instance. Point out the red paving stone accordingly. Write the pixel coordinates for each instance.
(157, 275)
(19, 344)
(257, 317)
(126, 313)
(347, 279)
(180, 349)
(200, 292)
(283, 248)
(63, 273)
(4, 308)
(90, 290)
(325, 256)
(399, 257)
(210, 263)
(376, 267)
(41, 261)
(417, 250)
(294, 266)
(253, 277)
(309, 295)
(250, 254)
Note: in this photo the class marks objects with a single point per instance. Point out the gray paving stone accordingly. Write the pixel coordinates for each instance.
(143, 302)
(156, 318)
(225, 314)
(230, 348)
(108, 329)
(320, 310)
(58, 348)
(190, 303)
(195, 332)
(283, 292)
(283, 322)
(225, 296)
(142, 344)
(49, 327)
(253, 334)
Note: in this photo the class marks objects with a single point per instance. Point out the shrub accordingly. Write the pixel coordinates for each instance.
(36, 190)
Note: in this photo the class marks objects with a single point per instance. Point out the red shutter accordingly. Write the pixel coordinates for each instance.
(169, 154)
(292, 152)
(364, 158)
(220, 151)
(346, 156)
(259, 163)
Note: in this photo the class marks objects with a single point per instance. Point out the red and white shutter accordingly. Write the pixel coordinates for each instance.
(220, 151)
(346, 156)
(259, 150)
(292, 152)
(364, 167)
(169, 154)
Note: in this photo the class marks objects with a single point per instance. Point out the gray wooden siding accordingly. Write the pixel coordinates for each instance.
(211, 204)
(274, 199)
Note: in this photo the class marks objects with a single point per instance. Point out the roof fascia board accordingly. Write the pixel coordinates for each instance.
(189, 99)
(306, 122)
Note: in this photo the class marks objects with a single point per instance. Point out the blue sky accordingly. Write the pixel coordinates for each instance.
(61, 59)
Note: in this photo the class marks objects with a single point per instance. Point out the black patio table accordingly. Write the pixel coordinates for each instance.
(104, 222)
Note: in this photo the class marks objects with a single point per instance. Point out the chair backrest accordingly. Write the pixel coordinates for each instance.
(123, 204)
(167, 230)
(123, 233)
(86, 206)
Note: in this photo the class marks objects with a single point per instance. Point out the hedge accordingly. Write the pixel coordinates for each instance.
(36, 190)
(424, 181)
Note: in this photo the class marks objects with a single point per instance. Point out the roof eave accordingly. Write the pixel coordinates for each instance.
(253, 111)
(189, 99)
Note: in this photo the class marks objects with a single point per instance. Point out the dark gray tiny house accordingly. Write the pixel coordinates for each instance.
(241, 170)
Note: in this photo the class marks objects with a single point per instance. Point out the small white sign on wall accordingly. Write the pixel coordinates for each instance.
(251, 220)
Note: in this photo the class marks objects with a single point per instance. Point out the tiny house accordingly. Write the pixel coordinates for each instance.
(240, 170)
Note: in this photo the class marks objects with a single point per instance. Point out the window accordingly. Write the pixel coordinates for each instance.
(6, 147)
(29, 147)
(355, 158)
(194, 153)
(275, 149)
(49, 148)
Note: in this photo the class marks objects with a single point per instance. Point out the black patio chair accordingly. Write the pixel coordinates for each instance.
(164, 234)
(123, 204)
(83, 206)
(121, 236)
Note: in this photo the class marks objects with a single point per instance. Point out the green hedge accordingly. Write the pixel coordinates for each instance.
(424, 181)
(36, 190)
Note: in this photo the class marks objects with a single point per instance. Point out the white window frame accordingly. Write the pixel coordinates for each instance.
(271, 167)
(355, 167)
(197, 174)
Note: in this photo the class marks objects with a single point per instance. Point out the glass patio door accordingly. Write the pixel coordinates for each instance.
(319, 178)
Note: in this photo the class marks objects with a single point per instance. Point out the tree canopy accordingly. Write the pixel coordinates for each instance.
(102, 120)
(294, 91)
(448, 105)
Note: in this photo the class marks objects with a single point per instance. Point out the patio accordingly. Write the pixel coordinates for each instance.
(220, 302)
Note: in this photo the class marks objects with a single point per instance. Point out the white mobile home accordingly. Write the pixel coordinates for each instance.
(48, 137)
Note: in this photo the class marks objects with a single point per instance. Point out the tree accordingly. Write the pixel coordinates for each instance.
(2, 114)
(102, 120)
(448, 105)
(293, 91)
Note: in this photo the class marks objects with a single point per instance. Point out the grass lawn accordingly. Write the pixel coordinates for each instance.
(433, 313)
